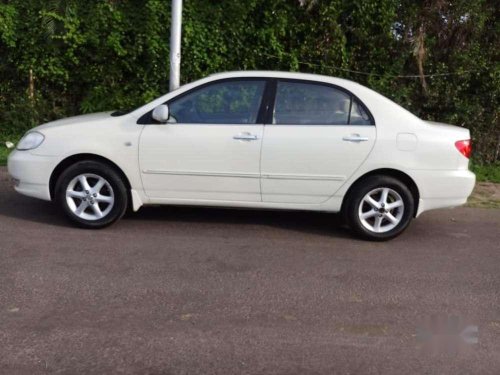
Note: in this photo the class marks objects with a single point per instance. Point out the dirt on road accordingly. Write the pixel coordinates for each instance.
(206, 291)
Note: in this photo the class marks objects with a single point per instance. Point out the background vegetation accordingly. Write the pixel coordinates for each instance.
(440, 59)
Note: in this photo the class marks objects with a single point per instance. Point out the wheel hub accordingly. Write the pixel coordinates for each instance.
(90, 197)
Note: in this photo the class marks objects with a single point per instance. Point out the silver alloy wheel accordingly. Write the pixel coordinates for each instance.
(381, 210)
(90, 197)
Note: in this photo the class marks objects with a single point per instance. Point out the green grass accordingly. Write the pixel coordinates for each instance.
(486, 173)
(4, 152)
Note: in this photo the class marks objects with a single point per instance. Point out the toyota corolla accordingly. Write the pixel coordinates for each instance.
(265, 140)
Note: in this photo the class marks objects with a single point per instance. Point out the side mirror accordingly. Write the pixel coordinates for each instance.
(161, 114)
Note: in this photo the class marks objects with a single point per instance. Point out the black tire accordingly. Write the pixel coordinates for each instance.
(367, 185)
(119, 192)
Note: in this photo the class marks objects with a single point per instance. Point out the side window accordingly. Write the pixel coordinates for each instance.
(310, 104)
(359, 115)
(228, 102)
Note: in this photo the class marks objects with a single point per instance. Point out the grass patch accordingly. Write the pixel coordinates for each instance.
(486, 173)
(4, 152)
(485, 195)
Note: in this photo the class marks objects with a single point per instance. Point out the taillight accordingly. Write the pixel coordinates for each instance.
(465, 147)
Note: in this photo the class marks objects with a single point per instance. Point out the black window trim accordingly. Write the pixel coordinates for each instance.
(147, 118)
(272, 102)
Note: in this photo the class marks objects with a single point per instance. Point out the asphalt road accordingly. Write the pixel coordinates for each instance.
(200, 291)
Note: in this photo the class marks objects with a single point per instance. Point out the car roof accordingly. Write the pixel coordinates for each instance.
(280, 74)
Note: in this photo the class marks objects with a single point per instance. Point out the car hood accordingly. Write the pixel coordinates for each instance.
(76, 120)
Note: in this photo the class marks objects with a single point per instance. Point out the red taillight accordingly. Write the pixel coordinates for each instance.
(465, 147)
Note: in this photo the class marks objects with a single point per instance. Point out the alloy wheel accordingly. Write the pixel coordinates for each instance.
(90, 197)
(381, 210)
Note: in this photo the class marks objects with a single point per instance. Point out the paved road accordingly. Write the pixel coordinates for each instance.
(202, 291)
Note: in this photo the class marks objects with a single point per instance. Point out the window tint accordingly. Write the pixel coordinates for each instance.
(310, 104)
(229, 102)
(359, 115)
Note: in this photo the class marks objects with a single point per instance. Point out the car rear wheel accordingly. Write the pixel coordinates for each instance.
(380, 208)
(91, 194)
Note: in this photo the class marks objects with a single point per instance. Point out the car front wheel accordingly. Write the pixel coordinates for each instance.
(380, 208)
(91, 194)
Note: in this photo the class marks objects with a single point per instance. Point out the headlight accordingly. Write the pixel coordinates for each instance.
(30, 141)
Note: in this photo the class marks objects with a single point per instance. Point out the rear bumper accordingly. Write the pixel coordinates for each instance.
(440, 189)
(31, 173)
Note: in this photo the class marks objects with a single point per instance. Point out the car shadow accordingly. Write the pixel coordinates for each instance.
(15, 206)
(34, 210)
(319, 223)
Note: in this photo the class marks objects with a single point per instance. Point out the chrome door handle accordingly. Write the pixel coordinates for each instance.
(355, 138)
(245, 137)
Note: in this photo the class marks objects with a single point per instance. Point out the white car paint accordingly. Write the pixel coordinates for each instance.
(201, 162)
(308, 164)
(286, 167)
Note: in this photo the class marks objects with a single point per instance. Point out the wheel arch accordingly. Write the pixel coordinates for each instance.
(403, 177)
(65, 163)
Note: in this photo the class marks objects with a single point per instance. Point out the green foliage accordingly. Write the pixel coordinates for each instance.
(7, 24)
(63, 57)
(487, 173)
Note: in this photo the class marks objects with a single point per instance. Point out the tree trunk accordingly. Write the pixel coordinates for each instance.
(420, 53)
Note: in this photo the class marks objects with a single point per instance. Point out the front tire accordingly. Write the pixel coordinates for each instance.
(91, 194)
(380, 208)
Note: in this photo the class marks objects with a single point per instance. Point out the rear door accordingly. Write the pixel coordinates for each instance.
(316, 138)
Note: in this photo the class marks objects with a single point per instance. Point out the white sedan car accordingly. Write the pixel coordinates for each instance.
(256, 140)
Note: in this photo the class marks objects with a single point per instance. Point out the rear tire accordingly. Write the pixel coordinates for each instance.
(380, 208)
(91, 194)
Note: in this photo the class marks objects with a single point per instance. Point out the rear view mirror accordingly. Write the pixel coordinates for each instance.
(161, 114)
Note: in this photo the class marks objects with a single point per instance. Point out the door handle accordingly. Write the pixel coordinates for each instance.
(245, 137)
(355, 138)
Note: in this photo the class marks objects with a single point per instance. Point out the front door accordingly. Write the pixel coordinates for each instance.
(318, 136)
(210, 148)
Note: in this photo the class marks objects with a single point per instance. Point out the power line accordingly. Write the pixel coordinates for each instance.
(373, 74)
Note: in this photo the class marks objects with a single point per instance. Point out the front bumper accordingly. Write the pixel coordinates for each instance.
(31, 173)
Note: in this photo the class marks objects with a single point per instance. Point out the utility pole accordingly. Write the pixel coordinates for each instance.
(175, 45)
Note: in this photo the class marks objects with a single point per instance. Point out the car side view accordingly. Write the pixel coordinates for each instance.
(268, 140)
